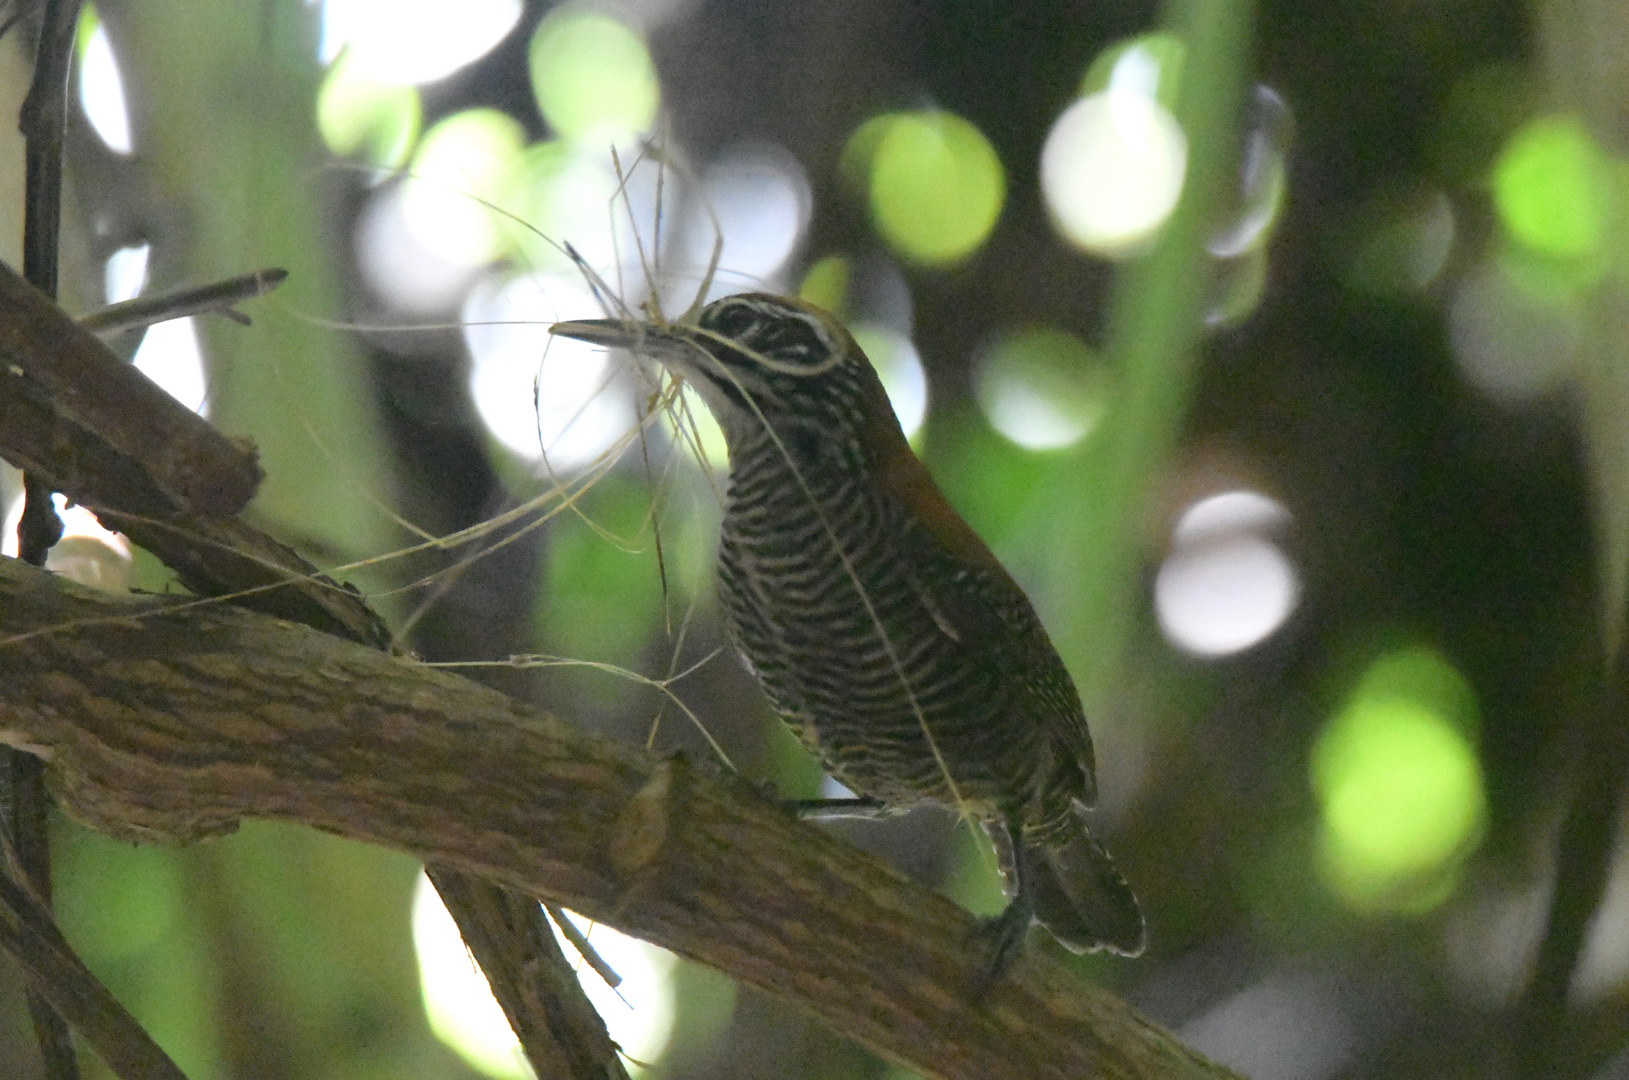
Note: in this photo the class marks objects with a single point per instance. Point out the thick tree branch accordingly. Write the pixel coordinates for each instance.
(140, 486)
(166, 721)
(172, 720)
(197, 468)
(149, 495)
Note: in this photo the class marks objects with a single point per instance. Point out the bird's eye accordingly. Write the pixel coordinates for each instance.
(792, 340)
(781, 336)
(731, 317)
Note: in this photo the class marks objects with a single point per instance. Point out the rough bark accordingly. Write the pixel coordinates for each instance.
(170, 721)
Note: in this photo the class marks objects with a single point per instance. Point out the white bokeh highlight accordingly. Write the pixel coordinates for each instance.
(539, 395)
(1511, 343)
(170, 356)
(413, 41)
(1029, 418)
(576, 199)
(125, 273)
(1226, 584)
(1042, 391)
(759, 202)
(464, 166)
(87, 553)
(899, 366)
(638, 1013)
(408, 276)
(1113, 164)
(101, 92)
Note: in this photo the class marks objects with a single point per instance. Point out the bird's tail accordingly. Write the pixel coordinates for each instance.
(1079, 893)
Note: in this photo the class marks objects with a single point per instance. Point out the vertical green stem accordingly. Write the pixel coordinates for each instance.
(1156, 319)
(229, 138)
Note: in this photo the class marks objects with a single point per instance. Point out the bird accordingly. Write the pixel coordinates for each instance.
(881, 627)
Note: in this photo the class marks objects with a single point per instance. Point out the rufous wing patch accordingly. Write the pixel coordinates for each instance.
(901, 474)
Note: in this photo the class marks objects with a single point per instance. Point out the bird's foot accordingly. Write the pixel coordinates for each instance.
(1001, 939)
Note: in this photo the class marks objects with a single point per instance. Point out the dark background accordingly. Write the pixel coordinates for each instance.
(1427, 514)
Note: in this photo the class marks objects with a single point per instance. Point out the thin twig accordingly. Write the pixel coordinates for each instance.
(42, 119)
(219, 297)
(579, 941)
(1582, 865)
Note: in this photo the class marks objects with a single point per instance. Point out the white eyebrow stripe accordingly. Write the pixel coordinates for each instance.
(771, 308)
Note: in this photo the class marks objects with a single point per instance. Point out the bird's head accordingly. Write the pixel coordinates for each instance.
(757, 359)
(777, 362)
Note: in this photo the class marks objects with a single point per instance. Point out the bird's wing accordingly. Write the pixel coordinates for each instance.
(987, 605)
(992, 624)
(1050, 694)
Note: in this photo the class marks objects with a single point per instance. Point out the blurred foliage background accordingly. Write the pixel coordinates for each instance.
(1281, 352)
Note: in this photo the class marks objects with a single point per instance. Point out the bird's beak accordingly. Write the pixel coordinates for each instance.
(679, 349)
(664, 345)
(612, 333)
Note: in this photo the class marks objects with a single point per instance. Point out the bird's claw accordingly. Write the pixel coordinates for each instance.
(1001, 938)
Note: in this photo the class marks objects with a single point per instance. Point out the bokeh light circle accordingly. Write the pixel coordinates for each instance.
(759, 200)
(1513, 343)
(362, 117)
(1401, 244)
(1404, 794)
(402, 271)
(1552, 187)
(900, 369)
(1227, 513)
(592, 76)
(1223, 596)
(936, 185)
(403, 42)
(1043, 388)
(1148, 64)
(540, 395)
(1226, 585)
(1399, 783)
(465, 167)
(1112, 170)
(562, 191)
(826, 284)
